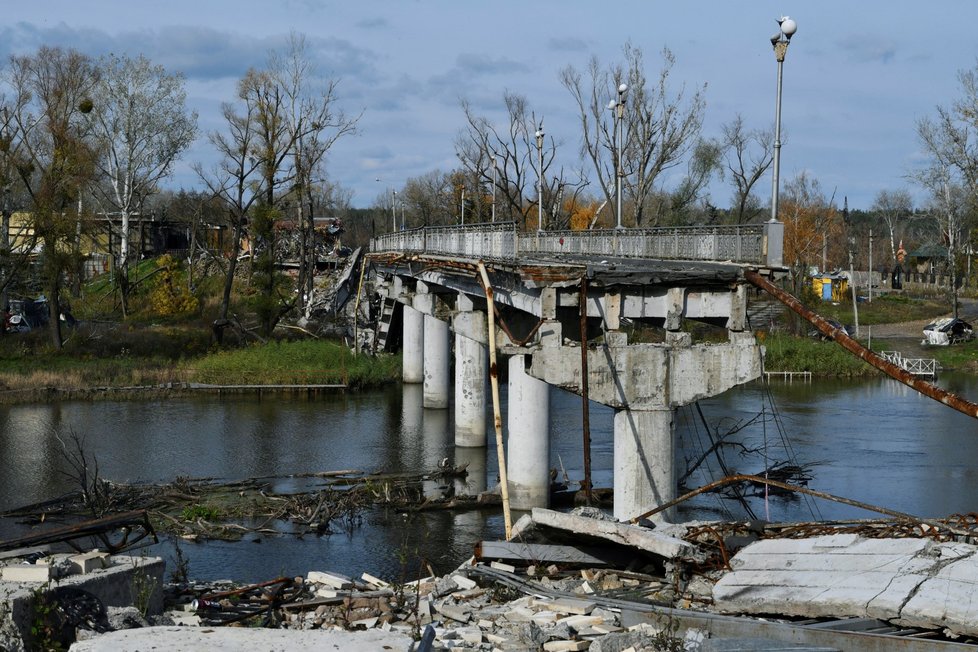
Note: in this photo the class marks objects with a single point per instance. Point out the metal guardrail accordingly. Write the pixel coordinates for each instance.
(927, 367)
(751, 244)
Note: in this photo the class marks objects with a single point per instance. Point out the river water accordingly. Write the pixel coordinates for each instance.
(870, 440)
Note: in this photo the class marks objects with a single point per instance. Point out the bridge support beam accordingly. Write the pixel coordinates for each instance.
(437, 364)
(528, 449)
(412, 349)
(471, 375)
(645, 383)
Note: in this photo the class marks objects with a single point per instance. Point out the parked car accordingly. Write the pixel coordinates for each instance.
(947, 331)
(834, 324)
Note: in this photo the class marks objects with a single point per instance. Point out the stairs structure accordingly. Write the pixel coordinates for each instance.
(383, 327)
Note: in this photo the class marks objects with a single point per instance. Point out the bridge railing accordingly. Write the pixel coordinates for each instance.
(752, 244)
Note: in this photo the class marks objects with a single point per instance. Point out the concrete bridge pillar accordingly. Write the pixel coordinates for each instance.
(412, 350)
(644, 462)
(528, 449)
(471, 375)
(437, 363)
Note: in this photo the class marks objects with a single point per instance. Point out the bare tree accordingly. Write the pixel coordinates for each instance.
(892, 207)
(233, 180)
(315, 124)
(508, 159)
(56, 157)
(661, 128)
(748, 155)
(143, 125)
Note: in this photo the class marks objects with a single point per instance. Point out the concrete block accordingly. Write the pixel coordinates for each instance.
(330, 579)
(374, 581)
(569, 606)
(471, 635)
(565, 646)
(26, 573)
(463, 582)
(498, 565)
(545, 618)
(89, 561)
(579, 621)
(455, 613)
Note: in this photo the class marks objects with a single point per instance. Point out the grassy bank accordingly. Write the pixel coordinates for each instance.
(30, 369)
(791, 353)
(307, 362)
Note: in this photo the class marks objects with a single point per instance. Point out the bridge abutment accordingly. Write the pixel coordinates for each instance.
(528, 449)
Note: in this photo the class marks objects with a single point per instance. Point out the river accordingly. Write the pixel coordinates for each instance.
(870, 440)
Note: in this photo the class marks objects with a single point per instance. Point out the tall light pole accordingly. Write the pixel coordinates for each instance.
(393, 210)
(787, 28)
(619, 108)
(539, 136)
(495, 168)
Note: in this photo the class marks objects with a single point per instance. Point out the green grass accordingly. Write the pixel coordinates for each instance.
(886, 309)
(306, 362)
(821, 358)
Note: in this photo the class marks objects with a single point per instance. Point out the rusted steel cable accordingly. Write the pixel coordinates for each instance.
(742, 477)
(927, 389)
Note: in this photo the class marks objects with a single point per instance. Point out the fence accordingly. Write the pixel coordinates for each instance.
(927, 367)
(754, 244)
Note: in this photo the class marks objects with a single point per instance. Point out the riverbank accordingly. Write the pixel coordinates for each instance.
(155, 369)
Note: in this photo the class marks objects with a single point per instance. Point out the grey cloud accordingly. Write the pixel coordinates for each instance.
(198, 52)
(567, 44)
(864, 49)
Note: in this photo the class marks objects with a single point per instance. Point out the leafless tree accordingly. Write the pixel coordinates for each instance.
(315, 123)
(893, 207)
(749, 154)
(508, 159)
(661, 128)
(142, 125)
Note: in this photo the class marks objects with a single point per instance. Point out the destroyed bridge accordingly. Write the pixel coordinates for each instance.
(546, 293)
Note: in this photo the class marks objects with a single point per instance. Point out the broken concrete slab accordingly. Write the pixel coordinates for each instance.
(633, 536)
(915, 582)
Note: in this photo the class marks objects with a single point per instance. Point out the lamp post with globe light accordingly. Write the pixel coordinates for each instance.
(619, 108)
(787, 28)
(539, 136)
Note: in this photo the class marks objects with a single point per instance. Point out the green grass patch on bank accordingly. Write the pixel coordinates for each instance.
(885, 309)
(306, 362)
(822, 358)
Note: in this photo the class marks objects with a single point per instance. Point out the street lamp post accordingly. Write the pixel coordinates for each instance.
(495, 168)
(787, 28)
(619, 108)
(539, 136)
(393, 210)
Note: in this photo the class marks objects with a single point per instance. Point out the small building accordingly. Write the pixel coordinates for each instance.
(830, 286)
(928, 258)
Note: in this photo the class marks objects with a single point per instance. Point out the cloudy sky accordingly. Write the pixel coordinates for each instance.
(857, 78)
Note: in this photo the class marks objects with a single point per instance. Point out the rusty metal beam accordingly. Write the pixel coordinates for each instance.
(129, 523)
(849, 344)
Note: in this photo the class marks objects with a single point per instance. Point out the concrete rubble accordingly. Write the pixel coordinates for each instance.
(912, 582)
(654, 602)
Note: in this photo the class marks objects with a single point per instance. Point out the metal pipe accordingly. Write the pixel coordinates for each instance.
(927, 389)
(497, 418)
(585, 408)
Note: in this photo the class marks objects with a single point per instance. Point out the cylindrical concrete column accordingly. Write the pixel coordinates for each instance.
(437, 364)
(412, 349)
(528, 450)
(645, 467)
(471, 375)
